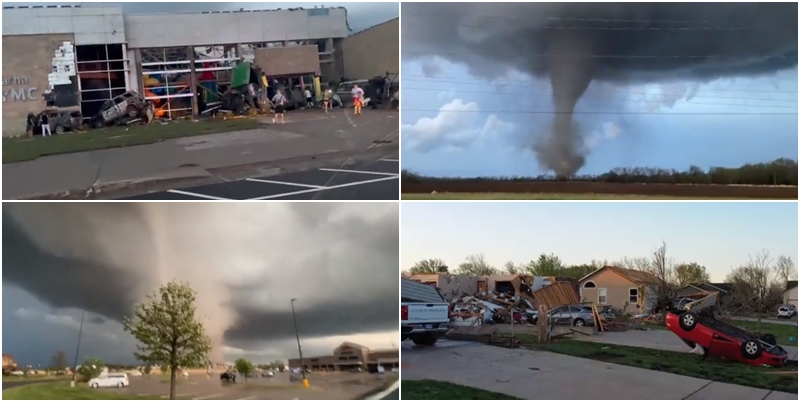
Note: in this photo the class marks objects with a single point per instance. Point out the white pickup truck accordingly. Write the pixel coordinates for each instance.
(424, 313)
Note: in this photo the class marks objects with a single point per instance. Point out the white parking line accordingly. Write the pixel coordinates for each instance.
(207, 397)
(358, 171)
(209, 197)
(358, 183)
(284, 183)
(389, 160)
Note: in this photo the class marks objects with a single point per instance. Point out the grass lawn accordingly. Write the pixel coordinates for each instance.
(673, 362)
(539, 196)
(24, 148)
(441, 390)
(62, 390)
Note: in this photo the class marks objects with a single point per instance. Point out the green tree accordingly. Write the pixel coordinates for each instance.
(58, 361)
(512, 269)
(244, 367)
(476, 265)
(429, 266)
(686, 274)
(168, 331)
(579, 271)
(91, 368)
(546, 265)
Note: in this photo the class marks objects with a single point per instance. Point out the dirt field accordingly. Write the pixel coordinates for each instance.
(618, 189)
(323, 386)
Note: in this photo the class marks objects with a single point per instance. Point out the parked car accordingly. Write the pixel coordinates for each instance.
(576, 314)
(110, 380)
(786, 311)
(60, 121)
(268, 374)
(424, 313)
(724, 340)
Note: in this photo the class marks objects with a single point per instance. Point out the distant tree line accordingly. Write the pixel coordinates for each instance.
(780, 172)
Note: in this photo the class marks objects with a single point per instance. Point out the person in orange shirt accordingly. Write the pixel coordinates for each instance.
(358, 99)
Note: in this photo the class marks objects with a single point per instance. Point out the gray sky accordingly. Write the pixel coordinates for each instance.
(360, 15)
(246, 261)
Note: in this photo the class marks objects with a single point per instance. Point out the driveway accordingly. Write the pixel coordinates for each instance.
(655, 339)
(530, 374)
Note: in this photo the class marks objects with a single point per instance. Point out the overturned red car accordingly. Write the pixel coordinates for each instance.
(720, 339)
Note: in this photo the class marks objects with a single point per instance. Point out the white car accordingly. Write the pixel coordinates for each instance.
(118, 380)
(786, 312)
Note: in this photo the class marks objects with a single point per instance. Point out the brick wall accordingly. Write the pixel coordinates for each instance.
(29, 57)
(372, 52)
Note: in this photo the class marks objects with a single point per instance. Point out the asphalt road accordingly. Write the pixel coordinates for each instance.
(376, 180)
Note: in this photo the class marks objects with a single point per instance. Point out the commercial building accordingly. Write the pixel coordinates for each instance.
(350, 356)
(372, 52)
(83, 56)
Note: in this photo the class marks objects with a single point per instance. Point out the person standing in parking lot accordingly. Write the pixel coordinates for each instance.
(358, 99)
(326, 99)
(46, 126)
(280, 106)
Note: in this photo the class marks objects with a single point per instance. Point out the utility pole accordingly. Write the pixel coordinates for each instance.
(77, 350)
(299, 350)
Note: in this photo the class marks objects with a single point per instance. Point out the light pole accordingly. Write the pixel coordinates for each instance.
(299, 350)
(77, 350)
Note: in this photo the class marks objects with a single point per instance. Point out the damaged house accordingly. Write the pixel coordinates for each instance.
(624, 289)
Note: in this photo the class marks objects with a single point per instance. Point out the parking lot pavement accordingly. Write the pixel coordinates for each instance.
(542, 375)
(200, 387)
(376, 180)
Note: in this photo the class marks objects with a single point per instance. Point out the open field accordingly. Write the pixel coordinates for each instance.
(541, 196)
(477, 189)
(25, 148)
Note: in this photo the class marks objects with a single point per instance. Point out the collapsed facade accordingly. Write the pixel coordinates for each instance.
(78, 58)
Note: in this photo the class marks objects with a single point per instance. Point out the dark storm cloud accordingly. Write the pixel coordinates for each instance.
(246, 262)
(576, 43)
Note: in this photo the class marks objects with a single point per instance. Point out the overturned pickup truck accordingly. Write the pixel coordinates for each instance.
(696, 326)
(124, 109)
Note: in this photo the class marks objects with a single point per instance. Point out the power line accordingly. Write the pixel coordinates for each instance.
(541, 94)
(424, 78)
(405, 109)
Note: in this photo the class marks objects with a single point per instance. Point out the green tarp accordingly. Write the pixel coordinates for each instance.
(240, 75)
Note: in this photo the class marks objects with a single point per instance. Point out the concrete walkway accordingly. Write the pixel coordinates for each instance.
(194, 157)
(530, 374)
(655, 339)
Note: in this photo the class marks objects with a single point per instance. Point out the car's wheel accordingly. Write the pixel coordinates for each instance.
(579, 322)
(751, 349)
(688, 321)
(533, 320)
(426, 339)
(60, 129)
(95, 385)
(120, 385)
(132, 112)
(769, 338)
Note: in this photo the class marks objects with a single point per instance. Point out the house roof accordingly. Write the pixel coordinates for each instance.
(716, 287)
(635, 276)
(791, 285)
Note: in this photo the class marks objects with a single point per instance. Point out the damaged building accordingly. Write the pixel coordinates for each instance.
(80, 57)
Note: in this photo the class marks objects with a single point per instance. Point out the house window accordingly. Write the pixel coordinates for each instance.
(633, 295)
(602, 296)
(589, 285)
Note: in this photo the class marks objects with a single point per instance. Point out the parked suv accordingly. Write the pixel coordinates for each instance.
(118, 380)
(786, 311)
(576, 314)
